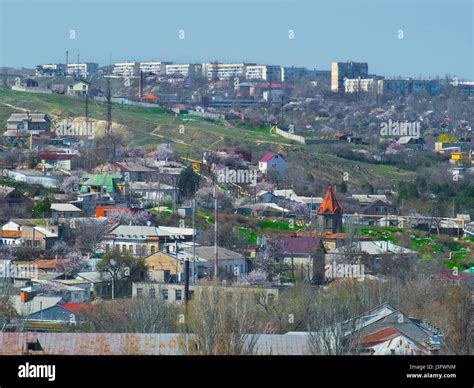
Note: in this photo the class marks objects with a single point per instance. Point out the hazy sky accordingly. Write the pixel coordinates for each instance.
(438, 35)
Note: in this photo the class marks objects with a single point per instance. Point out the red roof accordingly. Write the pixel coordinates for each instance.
(379, 336)
(268, 156)
(74, 307)
(330, 204)
(149, 96)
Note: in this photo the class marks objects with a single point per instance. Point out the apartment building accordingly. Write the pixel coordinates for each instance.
(263, 72)
(405, 87)
(183, 69)
(347, 70)
(126, 69)
(153, 67)
(50, 70)
(363, 85)
(89, 69)
(225, 70)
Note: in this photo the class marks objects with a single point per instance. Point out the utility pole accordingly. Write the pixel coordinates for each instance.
(194, 240)
(216, 260)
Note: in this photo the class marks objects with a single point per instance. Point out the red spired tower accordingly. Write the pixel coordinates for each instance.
(329, 215)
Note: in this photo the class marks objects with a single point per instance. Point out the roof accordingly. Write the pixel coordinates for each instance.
(207, 253)
(64, 207)
(295, 245)
(268, 156)
(162, 262)
(5, 190)
(377, 248)
(133, 167)
(74, 307)
(330, 204)
(38, 303)
(103, 180)
(104, 344)
(149, 96)
(10, 233)
(41, 263)
(34, 117)
(45, 232)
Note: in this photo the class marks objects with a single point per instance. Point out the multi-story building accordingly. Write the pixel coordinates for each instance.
(263, 72)
(183, 69)
(364, 85)
(85, 70)
(293, 73)
(126, 69)
(225, 70)
(153, 67)
(50, 70)
(405, 87)
(465, 87)
(343, 70)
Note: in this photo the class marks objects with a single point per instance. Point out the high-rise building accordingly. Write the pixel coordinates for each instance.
(153, 67)
(366, 85)
(263, 72)
(347, 70)
(183, 69)
(50, 70)
(225, 70)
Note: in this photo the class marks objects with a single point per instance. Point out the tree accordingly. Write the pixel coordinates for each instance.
(188, 182)
(270, 258)
(41, 208)
(88, 233)
(8, 312)
(129, 218)
(220, 322)
(72, 183)
(121, 266)
(164, 152)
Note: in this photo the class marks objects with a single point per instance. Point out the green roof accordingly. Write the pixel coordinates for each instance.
(101, 180)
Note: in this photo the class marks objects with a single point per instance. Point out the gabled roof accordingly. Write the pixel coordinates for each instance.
(296, 245)
(330, 204)
(269, 155)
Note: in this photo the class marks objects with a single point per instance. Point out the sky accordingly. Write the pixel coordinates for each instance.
(437, 35)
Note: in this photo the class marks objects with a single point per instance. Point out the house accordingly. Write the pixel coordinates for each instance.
(229, 261)
(35, 177)
(382, 257)
(272, 163)
(59, 160)
(135, 172)
(412, 142)
(264, 209)
(385, 330)
(79, 89)
(64, 210)
(110, 184)
(162, 267)
(43, 237)
(100, 283)
(267, 196)
(154, 192)
(305, 256)
(144, 240)
(31, 123)
(13, 201)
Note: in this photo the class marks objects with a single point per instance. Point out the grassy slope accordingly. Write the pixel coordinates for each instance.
(151, 126)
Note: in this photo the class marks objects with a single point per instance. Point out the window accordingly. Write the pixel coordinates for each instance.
(152, 293)
(152, 249)
(130, 248)
(178, 294)
(165, 294)
(139, 292)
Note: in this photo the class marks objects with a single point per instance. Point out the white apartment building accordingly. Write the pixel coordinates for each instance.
(263, 72)
(363, 85)
(126, 69)
(153, 67)
(183, 69)
(225, 70)
(89, 69)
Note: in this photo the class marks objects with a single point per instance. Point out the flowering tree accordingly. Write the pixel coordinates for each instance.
(164, 152)
(71, 184)
(270, 258)
(129, 218)
(255, 277)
